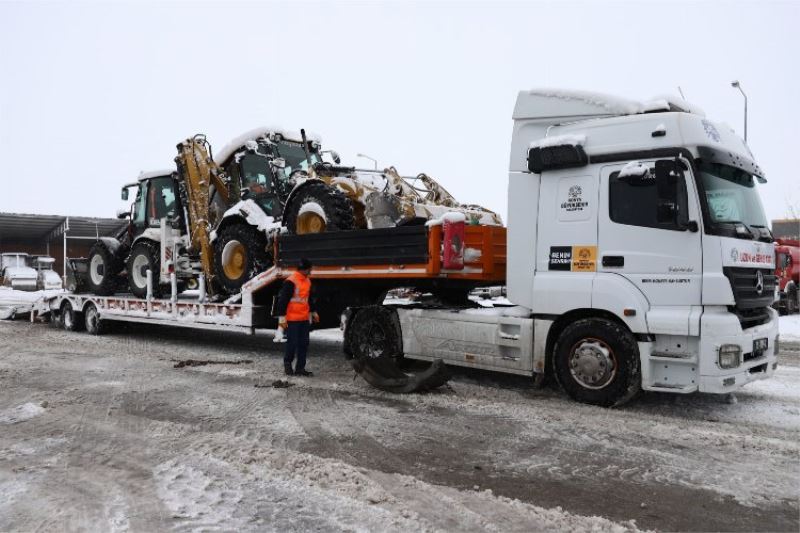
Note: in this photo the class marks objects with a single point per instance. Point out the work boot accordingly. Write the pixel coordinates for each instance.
(304, 373)
(288, 371)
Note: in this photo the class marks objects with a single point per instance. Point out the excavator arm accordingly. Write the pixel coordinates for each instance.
(199, 176)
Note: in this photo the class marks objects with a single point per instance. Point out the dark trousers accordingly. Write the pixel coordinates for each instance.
(296, 342)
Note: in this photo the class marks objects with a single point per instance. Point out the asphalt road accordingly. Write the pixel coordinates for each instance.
(105, 433)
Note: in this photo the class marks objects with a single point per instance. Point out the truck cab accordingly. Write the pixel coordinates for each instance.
(647, 216)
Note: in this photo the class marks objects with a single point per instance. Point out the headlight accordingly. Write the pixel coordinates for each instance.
(730, 355)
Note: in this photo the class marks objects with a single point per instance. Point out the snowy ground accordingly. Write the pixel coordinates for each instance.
(790, 328)
(103, 433)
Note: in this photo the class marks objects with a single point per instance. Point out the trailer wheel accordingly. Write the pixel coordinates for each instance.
(597, 362)
(145, 255)
(375, 332)
(91, 316)
(318, 208)
(104, 267)
(71, 319)
(240, 253)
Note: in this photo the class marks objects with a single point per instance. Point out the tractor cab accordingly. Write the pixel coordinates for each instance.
(156, 198)
(265, 169)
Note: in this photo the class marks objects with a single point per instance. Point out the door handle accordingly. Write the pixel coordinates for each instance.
(613, 261)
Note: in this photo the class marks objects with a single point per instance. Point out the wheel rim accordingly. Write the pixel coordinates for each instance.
(592, 363)
(67, 313)
(97, 269)
(139, 271)
(234, 259)
(376, 339)
(310, 222)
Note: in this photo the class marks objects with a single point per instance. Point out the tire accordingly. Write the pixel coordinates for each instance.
(374, 333)
(596, 361)
(791, 302)
(144, 255)
(71, 320)
(91, 316)
(103, 270)
(240, 253)
(336, 207)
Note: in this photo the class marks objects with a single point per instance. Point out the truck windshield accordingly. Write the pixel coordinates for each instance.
(732, 199)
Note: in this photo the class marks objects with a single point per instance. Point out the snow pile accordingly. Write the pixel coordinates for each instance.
(621, 106)
(613, 104)
(312, 207)
(264, 133)
(154, 173)
(559, 140)
(20, 413)
(634, 169)
(472, 254)
(451, 216)
(789, 328)
(254, 215)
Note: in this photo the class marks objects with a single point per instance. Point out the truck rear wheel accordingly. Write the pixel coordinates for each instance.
(375, 332)
(240, 253)
(71, 319)
(91, 316)
(145, 255)
(104, 267)
(596, 361)
(318, 208)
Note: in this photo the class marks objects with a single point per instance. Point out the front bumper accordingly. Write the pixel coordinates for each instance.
(720, 327)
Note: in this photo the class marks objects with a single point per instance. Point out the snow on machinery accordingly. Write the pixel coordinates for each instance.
(283, 184)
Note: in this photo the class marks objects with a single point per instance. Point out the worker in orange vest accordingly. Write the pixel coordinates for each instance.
(295, 314)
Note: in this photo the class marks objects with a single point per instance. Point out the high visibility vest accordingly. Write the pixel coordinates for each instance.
(298, 309)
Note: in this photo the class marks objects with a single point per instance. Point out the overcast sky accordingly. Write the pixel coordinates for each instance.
(93, 93)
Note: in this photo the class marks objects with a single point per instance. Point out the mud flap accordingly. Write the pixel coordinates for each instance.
(384, 374)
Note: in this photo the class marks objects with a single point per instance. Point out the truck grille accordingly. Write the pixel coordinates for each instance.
(745, 283)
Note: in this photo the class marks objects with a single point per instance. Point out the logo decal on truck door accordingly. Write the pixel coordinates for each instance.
(573, 258)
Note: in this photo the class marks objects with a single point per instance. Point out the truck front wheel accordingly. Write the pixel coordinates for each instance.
(375, 333)
(596, 361)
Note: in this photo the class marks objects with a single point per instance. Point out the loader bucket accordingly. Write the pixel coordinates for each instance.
(384, 374)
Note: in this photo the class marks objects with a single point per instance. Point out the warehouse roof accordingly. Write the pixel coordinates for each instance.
(19, 226)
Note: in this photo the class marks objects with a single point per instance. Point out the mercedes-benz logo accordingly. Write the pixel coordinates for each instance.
(759, 283)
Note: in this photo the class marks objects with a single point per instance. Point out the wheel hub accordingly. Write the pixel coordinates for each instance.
(139, 270)
(592, 363)
(97, 269)
(234, 259)
(310, 222)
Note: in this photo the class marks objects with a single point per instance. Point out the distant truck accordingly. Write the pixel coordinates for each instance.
(16, 272)
(787, 268)
(47, 278)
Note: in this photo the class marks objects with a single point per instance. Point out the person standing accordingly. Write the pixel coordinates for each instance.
(295, 314)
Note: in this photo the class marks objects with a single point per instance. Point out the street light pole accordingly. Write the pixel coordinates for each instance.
(374, 161)
(735, 83)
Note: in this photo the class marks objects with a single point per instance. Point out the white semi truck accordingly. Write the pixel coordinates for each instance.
(638, 256)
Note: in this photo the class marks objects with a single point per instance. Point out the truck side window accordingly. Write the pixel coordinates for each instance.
(635, 202)
(256, 174)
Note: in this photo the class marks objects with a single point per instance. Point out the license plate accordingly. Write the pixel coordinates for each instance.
(760, 346)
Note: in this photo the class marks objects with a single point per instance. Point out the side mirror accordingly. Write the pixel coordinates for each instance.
(278, 162)
(123, 213)
(124, 194)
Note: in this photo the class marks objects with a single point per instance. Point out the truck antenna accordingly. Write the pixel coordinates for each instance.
(305, 147)
(681, 91)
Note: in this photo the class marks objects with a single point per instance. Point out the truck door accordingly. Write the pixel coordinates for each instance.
(648, 231)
